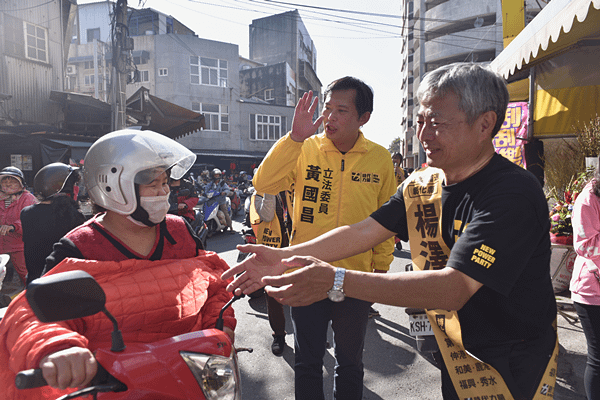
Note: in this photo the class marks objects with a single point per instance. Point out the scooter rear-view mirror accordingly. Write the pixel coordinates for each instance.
(64, 296)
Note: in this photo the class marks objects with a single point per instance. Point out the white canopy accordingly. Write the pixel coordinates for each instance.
(540, 39)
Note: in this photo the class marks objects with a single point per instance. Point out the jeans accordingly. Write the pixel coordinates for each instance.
(276, 316)
(349, 323)
(590, 322)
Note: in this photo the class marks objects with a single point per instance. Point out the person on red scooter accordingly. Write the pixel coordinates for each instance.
(183, 199)
(13, 198)
(159, 281)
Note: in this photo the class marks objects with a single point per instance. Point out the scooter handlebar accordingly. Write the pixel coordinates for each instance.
(102, 382)
(29, 379)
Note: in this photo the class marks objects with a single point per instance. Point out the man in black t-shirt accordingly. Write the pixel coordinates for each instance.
(479, 235)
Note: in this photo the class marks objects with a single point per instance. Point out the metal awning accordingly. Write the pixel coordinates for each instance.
(88, 116)
(84, 115)
(72, 143)
(161, 116)
(560, 19)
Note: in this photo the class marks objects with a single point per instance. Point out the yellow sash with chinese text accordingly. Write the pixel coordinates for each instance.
(267, 233)
(472, 378)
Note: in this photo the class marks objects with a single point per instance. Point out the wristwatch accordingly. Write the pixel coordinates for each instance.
(336, 293)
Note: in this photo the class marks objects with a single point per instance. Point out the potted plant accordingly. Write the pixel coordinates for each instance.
(561, 229)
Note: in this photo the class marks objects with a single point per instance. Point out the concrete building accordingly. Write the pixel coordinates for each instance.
(284, 38)
(33, 48)
(274, 83)
(441, 32)
(198, 74)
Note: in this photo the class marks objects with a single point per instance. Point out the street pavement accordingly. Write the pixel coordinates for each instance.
(393, 367)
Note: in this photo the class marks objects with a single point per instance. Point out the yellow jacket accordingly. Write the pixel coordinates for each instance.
(331, 189)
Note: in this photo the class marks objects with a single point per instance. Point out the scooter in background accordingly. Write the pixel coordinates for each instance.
(195, 365)
(213, 216)
(247, 203)
(236, 201)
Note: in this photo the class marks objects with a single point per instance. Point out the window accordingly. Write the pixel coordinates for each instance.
(36, 42)
(144, 76)
(138, 60)
(216, 116)
(88, 65)
(208, 71)
(139, 76)
(88, 79)
(23, 39)
(267, 127)
(163, 72)
(270, 94)
(93, 34)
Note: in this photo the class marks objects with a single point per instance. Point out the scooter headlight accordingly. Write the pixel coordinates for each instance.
(217, 376)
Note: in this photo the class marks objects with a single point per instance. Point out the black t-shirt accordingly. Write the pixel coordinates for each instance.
(497, 227)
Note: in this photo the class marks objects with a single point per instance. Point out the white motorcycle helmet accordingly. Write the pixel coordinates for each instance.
(119, 160)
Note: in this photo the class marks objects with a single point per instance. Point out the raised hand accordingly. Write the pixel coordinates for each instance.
(303, 126)
(265, 261)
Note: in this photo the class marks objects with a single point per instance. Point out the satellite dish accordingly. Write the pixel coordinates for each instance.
(478, 22)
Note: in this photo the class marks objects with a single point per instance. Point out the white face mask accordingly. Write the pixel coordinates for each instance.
(156, 207)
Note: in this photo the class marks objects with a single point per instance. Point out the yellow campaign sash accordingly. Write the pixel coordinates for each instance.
(267, 233)
(472, 378)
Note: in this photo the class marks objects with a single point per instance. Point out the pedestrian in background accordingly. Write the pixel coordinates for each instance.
(13, 198)
(48, 221)
(585, 281)
(398, 170)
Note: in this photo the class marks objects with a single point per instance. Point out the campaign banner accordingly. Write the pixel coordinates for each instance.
(507, 142)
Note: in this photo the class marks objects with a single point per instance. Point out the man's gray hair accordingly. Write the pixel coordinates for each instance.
(478, 88)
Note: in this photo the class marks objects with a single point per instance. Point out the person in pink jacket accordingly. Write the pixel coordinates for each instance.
(585, 281)
(13, 198)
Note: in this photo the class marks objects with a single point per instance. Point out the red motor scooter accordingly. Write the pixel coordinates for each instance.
(196, 365)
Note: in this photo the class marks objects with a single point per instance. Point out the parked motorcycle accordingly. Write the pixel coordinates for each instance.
(195, 365)
(246, 189)
(213, 216)
(249, 238)
(199, 226)
(419, 327)
(247, 203)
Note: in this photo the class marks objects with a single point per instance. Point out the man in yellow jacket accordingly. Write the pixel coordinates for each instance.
(340, 178)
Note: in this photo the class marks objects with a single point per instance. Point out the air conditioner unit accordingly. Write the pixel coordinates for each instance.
(71, 69)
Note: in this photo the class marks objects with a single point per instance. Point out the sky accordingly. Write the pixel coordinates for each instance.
(352, 37)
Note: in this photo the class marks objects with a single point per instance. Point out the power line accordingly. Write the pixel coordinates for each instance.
(333, 9)
(27, 8)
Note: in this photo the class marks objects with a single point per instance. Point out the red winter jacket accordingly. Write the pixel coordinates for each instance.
(13, 241)
(151, 300)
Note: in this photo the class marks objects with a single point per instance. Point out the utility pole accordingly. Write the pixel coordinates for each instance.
(121, 44)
